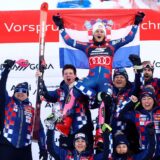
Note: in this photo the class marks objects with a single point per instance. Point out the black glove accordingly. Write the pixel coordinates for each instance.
(106, 98)
(43, 155)
(139, 18)
(58, 21)
(135, 59)
(150, 129)
(8, 63)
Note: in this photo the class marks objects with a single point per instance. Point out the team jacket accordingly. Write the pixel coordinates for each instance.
(81, 114)
(120, 97)
(100, 57)
(140, 118)
(155, 82)
(16, 119)
(61, 154)
(146, 154)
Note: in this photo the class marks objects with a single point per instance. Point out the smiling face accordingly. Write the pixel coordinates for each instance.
(121, 148)
(148, 73)
(21, 96)
(147, 102)
(119, 81)
(99, 35)
(69, 76)
(80, 145)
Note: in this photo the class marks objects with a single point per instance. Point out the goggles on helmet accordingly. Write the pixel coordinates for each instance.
(147, 64)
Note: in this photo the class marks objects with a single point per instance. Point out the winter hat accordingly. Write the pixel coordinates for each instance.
(148, 64)
(22, 87)
(148, 91)
(120, 71)
(80, 136)
(120, 138)
(98, 25)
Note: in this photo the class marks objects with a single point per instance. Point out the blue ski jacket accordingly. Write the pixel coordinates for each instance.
(16, 118)
(100, 57)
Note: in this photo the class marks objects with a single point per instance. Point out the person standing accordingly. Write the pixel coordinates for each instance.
(16, 121)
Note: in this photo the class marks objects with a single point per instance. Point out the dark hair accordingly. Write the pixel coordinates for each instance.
(69, 66)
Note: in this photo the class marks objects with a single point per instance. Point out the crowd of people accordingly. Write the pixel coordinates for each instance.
(128, 121)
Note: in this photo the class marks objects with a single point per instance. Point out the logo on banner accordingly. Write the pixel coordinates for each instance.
(31, 66)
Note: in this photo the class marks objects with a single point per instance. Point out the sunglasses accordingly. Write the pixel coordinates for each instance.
(21, 90)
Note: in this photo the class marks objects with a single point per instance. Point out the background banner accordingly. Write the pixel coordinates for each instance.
(19, 28)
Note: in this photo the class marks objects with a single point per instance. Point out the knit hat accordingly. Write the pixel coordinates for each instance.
(120, 71)
(98, 25)
(148, 91)
(120, 138)
(80, 136)
(22, 87)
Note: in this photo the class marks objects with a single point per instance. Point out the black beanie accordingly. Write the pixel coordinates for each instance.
(120, 138)
(147, 91)
(120, 71)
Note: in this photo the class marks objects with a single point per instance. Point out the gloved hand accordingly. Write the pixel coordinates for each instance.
(58, 21)
(135, 59)
(8, 63)
(43, 155)
(106, 128)
(150, 129)
(102, 96)
(106, 98)
(139, 18)
(50, 121)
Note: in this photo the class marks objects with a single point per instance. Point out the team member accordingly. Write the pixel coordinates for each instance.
(149, 113)
(100, 55)
(80, 118)
(16, 121)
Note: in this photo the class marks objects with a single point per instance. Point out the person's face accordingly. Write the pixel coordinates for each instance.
(121, 149)
(147, 103)
(99, 35)
(21, 96)
(80, 145)
(119, 81)
(69, 76)
(147, 73)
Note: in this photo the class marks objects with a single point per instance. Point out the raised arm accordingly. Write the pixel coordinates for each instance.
(68, 40)
(54, 150)
(3, 93)
(125, 40)
(50, 96)
(137, 65)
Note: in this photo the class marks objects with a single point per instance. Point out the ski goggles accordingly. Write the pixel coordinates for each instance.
(120, 70)
(21, 90)
(147, 64)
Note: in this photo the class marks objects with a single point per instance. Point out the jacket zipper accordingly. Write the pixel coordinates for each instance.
(20, 127)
